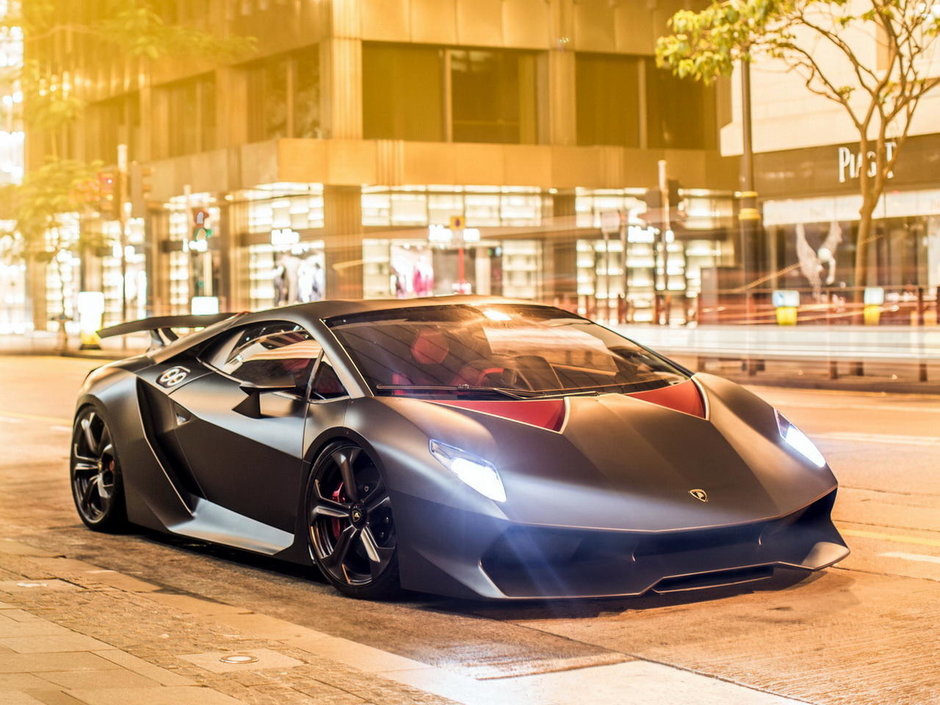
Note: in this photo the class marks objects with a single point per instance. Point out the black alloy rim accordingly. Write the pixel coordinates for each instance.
(94, 467)
(352, 534)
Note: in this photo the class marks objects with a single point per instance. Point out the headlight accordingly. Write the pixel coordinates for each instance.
(473, 471)
(799, 441)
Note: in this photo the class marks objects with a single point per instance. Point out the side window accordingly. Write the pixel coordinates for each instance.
(326, 384)
(268, 355)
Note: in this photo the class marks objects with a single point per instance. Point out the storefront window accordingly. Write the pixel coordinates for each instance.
(193, 260)
(409, 209)
(299, 207)
(409, 267)
(590, 204)
(135, 282)
(481, 206)
(521, 264)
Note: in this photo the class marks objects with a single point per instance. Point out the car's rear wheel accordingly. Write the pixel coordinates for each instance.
(351, 531)
(95, 473)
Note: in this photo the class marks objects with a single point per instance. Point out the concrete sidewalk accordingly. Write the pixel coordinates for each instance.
(73, 633)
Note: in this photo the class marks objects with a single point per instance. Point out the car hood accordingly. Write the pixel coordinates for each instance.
(619, 462)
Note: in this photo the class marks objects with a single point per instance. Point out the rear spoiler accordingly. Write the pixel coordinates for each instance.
(161, 327)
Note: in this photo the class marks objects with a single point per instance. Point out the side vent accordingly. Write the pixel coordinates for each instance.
(160, 416)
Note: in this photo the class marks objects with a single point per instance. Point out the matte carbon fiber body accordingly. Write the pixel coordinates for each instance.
(600, 507)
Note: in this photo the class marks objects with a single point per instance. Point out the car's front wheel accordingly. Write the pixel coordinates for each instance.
(351, 532)
(95, 473)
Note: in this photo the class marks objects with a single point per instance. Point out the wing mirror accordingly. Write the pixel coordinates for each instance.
(250, 406)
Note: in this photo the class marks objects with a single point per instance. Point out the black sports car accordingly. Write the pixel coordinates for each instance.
(467, 446)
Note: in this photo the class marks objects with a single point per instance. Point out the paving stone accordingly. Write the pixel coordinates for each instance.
(144, 668)
(118, 581)
(20, 681)
(54, 643)
(260, 626)
(361, 656)
(172, 695)
(42, 662)
(196, 606)
(14, 586)
(16, 697)
(53, 697)
(16, 548)
(112, 678)
(266, 658)
(10, 628)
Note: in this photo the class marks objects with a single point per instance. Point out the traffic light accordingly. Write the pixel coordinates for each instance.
(140, 187)
(109, 201)
(654, 204)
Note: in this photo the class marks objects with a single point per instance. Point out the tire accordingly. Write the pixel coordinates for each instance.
(351, 534)
(95, 473)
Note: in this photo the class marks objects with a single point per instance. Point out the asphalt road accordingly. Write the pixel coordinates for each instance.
(863, 632)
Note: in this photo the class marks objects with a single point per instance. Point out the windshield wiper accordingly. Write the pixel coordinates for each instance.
(459, 388)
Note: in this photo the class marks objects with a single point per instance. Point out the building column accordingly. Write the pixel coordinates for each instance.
(341, 73)
(561, 254)
(343, 241)
(557, 91)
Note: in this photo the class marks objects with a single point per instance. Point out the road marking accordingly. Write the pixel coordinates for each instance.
(33, 417)
(916, 540)
(879, 438)
(919, 557)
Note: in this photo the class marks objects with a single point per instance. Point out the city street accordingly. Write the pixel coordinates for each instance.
(106, 619)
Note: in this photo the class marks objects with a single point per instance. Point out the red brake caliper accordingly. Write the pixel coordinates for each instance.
(337, 497)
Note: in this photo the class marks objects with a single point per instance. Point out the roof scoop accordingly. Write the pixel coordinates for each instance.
(684, 397)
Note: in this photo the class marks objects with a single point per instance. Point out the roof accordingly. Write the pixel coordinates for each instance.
(344, 307)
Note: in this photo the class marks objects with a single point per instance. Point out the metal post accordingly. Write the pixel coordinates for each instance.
(122, 219)
(661, 240)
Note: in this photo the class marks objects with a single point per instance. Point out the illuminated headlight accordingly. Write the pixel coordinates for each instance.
(473, 471)
(799, 441)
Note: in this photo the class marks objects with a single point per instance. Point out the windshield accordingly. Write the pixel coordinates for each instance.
(507, 351)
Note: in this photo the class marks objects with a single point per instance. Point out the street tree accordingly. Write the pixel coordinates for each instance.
(40, 208)
(135, 31)
(883, 67)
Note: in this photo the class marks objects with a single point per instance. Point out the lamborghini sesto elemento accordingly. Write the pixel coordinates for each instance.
(467, 446)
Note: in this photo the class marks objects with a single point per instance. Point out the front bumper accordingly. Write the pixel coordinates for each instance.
(457, 553)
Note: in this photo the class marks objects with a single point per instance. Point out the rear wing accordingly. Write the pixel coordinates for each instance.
(161, 327)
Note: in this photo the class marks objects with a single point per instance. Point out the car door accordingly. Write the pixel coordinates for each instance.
(244, 444)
